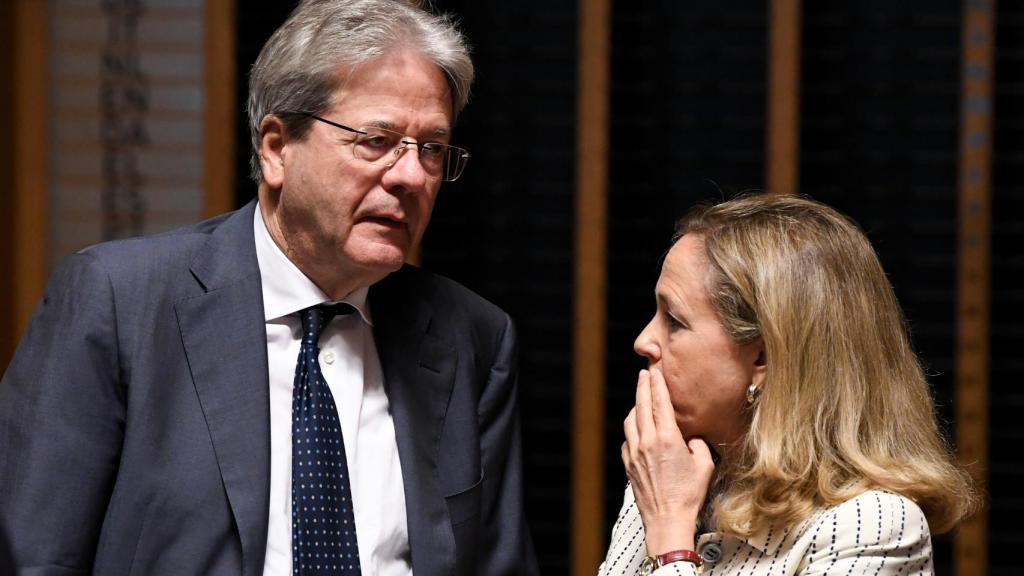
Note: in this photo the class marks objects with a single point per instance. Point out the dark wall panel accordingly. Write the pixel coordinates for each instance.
(1006, 459)
(255, 22)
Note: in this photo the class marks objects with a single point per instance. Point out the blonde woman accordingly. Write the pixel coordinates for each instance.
(783, 426)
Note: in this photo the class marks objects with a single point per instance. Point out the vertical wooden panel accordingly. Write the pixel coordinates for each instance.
(782, 161)
(30, 134)
(974, 270)
(590, 287)
(221, 111)
(7, 245)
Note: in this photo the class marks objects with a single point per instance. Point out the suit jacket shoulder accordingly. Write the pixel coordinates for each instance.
(135, 410)
(139, 261)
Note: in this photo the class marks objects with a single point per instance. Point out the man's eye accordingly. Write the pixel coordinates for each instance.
(433, 150)
(376, 141)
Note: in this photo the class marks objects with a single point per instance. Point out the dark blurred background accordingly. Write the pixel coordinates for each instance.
(880, 106)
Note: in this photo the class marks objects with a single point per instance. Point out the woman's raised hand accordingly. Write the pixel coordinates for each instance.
(670, 475)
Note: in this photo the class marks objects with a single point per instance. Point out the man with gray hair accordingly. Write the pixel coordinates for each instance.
(273, 391)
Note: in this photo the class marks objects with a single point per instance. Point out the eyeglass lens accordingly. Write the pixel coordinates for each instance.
(379, 145)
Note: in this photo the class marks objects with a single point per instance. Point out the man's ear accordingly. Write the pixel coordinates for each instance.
(271, 152)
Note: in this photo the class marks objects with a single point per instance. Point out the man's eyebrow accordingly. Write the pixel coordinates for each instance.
(380, 124)
(440, 131)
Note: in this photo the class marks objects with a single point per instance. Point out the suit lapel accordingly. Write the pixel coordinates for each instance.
(225, 341)
(419, 371)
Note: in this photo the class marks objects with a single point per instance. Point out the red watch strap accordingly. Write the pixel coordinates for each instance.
(680, 556)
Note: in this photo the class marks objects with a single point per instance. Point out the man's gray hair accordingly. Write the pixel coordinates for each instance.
(297, 70)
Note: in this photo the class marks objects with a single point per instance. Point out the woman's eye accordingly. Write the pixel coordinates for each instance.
(673, 322)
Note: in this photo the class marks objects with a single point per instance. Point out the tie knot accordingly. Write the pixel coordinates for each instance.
(316, 317)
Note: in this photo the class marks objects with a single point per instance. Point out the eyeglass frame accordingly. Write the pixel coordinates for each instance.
(402, 145)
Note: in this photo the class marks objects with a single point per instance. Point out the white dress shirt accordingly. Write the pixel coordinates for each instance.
(350, 364)
(875, 534)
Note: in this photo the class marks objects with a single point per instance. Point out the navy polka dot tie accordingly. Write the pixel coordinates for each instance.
(323, 526)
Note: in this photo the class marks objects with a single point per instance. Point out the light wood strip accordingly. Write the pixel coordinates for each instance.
(590, 287)
(221, 112)
(31, 193)
(782, 158)
(973, 271)
(7, 165)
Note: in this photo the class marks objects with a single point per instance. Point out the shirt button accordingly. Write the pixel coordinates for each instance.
(711, 553)
(329, 357)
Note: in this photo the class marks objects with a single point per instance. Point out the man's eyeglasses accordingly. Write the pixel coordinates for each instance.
(383, 147)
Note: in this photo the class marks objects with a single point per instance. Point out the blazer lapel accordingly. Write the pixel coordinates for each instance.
(225, 341)
(419, 371)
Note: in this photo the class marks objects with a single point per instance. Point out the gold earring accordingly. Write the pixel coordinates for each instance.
(752, 393)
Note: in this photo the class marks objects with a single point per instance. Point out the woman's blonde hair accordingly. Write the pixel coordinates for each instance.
(845, 407)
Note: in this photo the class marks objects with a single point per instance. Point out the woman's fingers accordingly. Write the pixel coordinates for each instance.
(661, 406)
(644, 416)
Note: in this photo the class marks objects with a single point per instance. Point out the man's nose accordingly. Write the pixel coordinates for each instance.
(405, 168)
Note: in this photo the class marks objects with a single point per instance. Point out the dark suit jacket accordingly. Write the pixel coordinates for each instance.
(134, 418)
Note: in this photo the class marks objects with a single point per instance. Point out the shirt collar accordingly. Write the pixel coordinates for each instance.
(286, 290)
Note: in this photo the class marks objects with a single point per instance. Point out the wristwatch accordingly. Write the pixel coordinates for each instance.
(652, 563)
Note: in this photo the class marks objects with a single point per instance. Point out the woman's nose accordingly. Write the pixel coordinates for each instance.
(646, 345)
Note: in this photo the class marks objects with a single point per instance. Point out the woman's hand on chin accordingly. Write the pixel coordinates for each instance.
(669, 474)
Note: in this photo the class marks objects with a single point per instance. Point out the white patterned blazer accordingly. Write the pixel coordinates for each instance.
(876, 533)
